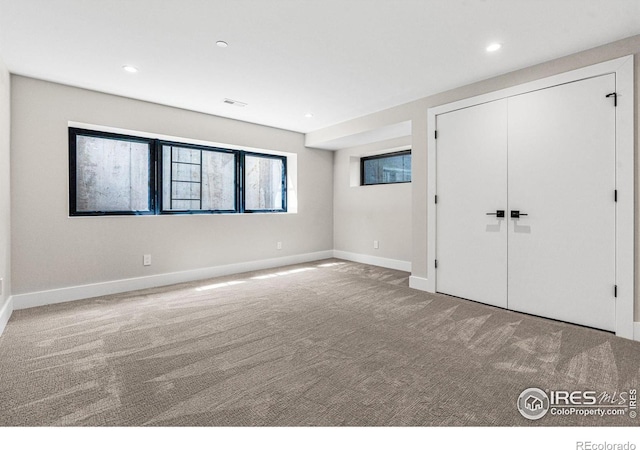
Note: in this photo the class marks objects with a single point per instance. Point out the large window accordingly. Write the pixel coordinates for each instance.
(199, 179)
(385, 169)
(111, 174)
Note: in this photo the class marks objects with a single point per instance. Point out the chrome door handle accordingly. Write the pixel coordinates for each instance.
(498, 213)
(515, 214)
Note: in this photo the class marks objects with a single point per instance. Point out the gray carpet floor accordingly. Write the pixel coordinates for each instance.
(328, 343)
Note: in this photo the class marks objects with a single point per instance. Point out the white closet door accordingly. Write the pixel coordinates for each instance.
(562, 174)
(471, 182)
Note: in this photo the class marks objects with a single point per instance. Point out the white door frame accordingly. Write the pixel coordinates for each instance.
(625, 222)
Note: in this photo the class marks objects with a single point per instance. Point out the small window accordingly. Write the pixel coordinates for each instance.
(109, 174)
(196, 179)
(386, 169)
(265, 183)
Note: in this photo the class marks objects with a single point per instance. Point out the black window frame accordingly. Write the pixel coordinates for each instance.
(382, 156)
(160, 189)
(73, 187)
(284, 182)
(156, 185)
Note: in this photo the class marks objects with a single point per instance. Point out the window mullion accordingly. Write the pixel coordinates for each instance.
(241, 182)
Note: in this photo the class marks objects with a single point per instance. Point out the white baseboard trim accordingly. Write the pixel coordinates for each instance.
(373, 260)
(34, 299)
(418, 283)
(636, 331)
(5, 313)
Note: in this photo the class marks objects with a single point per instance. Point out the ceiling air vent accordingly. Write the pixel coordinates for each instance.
(228, 101)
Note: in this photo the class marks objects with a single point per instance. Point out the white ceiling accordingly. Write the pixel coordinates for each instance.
(338, 59)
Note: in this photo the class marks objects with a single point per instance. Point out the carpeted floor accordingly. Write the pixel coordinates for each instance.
(325, 343)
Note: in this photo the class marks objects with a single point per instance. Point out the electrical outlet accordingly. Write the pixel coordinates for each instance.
(146, 260)
(376, 244)
(279, 245)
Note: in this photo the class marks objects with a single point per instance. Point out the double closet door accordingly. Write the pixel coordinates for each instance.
(526, 207)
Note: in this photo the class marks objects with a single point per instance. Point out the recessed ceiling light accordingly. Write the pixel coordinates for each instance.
(229, 101)
(130, 69)
(494, 47)
(308, 115)
(222, 44)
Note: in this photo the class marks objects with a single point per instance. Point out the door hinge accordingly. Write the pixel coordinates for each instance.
(615, 290)
(615, 195)
(615, 98)
(436, 199)
(436, 134)
(436, 263)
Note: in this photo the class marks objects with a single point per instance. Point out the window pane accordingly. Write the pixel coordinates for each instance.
(263, 183)
(387, 169)
(198, 180)
(111, 175)
(219, 181)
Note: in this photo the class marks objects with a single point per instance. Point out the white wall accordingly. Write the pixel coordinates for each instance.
(417, 112)
(363, 214)
(5, 220)
(53, 251)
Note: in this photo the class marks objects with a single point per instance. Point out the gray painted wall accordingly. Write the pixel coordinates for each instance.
(5, 208)
(363, 214)
(52, 250)
(417, 113)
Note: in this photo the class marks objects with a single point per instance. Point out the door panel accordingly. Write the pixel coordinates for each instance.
(471, 182)
(561, 172)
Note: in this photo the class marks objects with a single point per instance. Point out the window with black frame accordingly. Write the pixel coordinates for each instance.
(265, 183)
(387, 168)
(113, 174)
(109, 174)
(199, 179)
